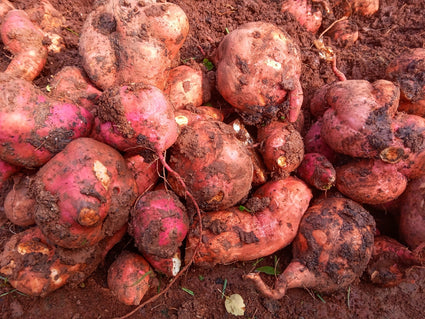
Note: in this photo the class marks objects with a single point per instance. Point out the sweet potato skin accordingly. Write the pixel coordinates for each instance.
(316, 170)
(83, 194)
(233, 235)
(253, 82)
(303, 11)
(214, 164)
(19, 203)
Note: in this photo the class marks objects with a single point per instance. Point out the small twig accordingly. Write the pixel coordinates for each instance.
(332, 24)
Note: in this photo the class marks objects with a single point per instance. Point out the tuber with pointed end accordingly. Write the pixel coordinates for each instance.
(281, 147)
(258, 69)
(267, 222)
(215, 166)
(316, 170)
(129, 278)
(83, 194)
(159, 224)
(332, 248)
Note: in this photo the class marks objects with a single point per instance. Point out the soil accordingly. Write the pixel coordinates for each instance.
(397, 26)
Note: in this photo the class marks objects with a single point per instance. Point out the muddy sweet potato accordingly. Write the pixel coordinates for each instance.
(24, 40)
(332, 248)
(146, 174)
(266, 223)
(148, 35)
(36, 267)
(316, 170)
(129, 278)
(305, 12)
(34, 127)
(6, 171)
(159, 223)
(214, 164)
(83, 194)
(258, 67)
(344, 33)
(314, 143)
(281, 147)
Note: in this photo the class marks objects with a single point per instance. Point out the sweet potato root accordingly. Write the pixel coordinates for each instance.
(214, 164)
(129, 278)
(83, 194)
(268, 222)
(332, 248)
(258, 66)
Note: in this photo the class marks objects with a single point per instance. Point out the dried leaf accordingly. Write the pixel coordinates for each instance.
(234, 304)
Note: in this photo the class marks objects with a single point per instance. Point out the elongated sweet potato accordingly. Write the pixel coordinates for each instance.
(268, 222)
(258, 66)
(83, 194)
(148, 35)
(214, 164)
(35, 127)
(332, 248)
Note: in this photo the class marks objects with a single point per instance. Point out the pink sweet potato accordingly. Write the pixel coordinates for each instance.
(332, 248)
(129, 278)
(159, 224)
(258, 67)
(281, 147)
(148, 35)
(314, 143)
(6, 171)
(266, 223)
(35, 267)
(370, 181)
(307, 15)
(35, 127)
(316, 170)
(24, 40)
(214, 164)
(83, 194)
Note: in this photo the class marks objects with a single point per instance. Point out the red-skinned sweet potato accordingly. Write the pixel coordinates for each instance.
(266, 223)
(129, 278)
(332, 248)
(149, 36)
(159, 224)
(258, 67)
(83, 194)
(35, 267)
(314, 143)
(281, 147)
(316, 170)
(6, 171)
(24, 40)
(370, 181)
(35, 127)
(307, 15)
(214, 164)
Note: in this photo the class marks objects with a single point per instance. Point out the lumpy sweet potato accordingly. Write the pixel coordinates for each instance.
(258, 66)
(83, 194)
(266, 223)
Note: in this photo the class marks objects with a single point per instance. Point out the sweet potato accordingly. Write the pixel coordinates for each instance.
(159, 224)
(129, 278)
(412, 213)
(146, 174)
(370, 181)
(205, 113)
(83, 194)
(187, 87)
(6, 171)
(72, 85)
(358, 122)
(36, 267)
(19, 204)
(132, 41)
(362, 7)
(24, 40)
(314, 143)
(307, 15)
(215, 166)
(5, 7)
(408, 71)
(316, 170)
(35, 127)
(344, 33)
(135, 117)
(266, 223)
(258, 67)
(332, 248)
(281, 147)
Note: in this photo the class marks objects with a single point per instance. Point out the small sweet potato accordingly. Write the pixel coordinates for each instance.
(214, 164)
(332, 248)
(314, 143)
(266, 223)
(129, 278)
(307, 15)
(258, 67)
(344, 33)
(83, 194)
(316, 170)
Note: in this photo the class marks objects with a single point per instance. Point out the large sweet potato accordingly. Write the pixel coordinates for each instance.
(83, 194)
(267, 223)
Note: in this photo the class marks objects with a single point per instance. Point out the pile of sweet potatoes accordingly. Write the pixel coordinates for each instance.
(126, 146)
